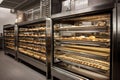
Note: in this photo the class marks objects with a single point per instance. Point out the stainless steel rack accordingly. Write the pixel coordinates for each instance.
(10, 40)
(72, 42)
(63, 71)
(33, 44)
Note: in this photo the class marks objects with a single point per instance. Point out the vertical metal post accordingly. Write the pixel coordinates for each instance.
(40, 10)
(116, 42)
(48, 47)
(52, 47)
(50, 8)
(16, 41)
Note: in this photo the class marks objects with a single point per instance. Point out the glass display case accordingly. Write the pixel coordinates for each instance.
(9, 39)
(82, 45)
(32, 41)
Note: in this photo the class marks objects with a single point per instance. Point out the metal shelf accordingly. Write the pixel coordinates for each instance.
(8, 26)
(33, 50)
(33, 37)
(9, 36)
(32, 31)
(38, 64)
(33, 57)
(9, 40)
(86, 55)
(92, 28)
(69, 50)
(32, 22)
(32, 43)
(65, 73)
(10, 51)
(89, 43)
(82, 66)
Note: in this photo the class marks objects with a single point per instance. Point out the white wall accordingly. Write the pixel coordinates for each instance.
(6, 18)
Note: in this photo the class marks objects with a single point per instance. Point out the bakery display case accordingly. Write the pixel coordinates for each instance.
(9, 39)
(82, 46)
(33, 43)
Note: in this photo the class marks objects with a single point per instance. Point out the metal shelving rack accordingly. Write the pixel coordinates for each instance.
(9, 34)
(61, 37)
(84, 50)
(34, 44)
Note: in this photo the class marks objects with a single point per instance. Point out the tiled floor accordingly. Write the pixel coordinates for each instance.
(10, 69)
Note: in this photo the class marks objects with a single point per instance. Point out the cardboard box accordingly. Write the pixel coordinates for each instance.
(21, 17)
(66, 5)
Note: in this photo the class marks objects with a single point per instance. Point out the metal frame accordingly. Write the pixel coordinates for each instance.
(6, 50)
(30, 60)
(48, 46)
(63, 74)
(116, 42)
(58, 71)
(38, 64)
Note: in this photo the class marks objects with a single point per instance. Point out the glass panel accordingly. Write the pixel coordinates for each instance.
(83, 43)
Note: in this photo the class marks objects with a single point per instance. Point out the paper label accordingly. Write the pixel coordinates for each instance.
(79, 4)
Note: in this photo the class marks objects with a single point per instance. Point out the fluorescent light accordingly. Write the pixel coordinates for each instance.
(1, 1)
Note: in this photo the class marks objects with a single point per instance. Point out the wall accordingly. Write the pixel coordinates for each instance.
(6, 18)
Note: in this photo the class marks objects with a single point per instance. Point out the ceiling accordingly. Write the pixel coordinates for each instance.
(17, 4)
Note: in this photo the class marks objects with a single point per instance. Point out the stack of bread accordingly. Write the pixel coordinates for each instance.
(33, 54)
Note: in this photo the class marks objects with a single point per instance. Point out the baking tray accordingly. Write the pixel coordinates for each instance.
(83, 66)
(89, 43)
(92, 28)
